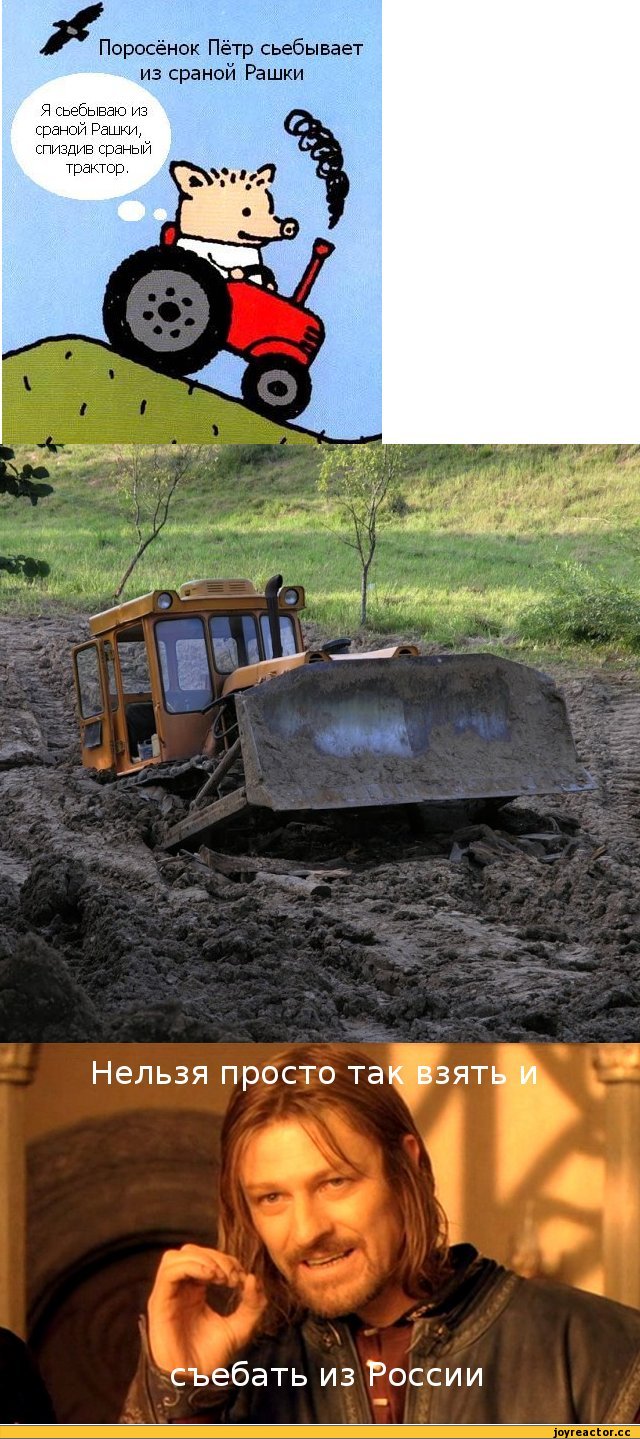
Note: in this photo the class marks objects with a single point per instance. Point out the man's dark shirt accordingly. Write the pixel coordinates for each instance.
(389, 1346)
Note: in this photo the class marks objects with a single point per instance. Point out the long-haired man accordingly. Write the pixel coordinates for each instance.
(343, 1301)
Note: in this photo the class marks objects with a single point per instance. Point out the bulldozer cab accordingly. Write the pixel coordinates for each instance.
(151, 681)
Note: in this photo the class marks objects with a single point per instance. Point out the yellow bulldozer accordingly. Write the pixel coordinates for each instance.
(217, 672)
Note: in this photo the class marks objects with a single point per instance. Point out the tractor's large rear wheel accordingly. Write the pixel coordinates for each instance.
(277, 386)
(167, 308)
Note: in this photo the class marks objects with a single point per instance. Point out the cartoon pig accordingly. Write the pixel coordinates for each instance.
(227, 216)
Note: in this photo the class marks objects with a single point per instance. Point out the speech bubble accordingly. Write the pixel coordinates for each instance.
(90, 136)
(131, 210)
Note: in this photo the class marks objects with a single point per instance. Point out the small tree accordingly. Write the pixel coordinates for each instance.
(362, 481)
(24, 483)
(147, 481)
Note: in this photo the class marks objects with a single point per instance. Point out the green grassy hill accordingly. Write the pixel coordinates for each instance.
(529, 549)
(78, 391)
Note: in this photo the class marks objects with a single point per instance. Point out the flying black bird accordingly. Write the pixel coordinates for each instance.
(71, 29)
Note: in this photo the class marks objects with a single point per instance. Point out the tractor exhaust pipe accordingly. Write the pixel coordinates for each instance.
(271, 595)
(321, 251)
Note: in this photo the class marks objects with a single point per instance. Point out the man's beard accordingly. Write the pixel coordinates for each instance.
(351, 1302)
(347, 1297)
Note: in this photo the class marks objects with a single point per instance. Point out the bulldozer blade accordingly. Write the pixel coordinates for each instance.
(198, 821)
(405, 731)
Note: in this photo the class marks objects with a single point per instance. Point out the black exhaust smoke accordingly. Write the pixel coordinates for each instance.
(323, 147)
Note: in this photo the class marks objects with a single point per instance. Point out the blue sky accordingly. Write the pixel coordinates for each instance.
(58, 253)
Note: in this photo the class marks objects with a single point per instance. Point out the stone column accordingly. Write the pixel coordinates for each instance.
(17, 1068)
(618, 1068)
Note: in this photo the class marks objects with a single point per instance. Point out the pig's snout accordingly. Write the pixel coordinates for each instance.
(289, 229)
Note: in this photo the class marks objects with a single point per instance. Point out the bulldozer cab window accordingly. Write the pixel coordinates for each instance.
(89, 687)
(287, 636)
(184, 665)
(235, 642)
(136, 691)
(134, 665)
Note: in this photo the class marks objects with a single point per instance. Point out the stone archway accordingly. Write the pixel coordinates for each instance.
(105, 1198)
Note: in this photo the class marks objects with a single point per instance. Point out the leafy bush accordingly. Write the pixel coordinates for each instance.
(235, 459)
(25, 566)
(24, 483)
(587, 608)
(399, 506)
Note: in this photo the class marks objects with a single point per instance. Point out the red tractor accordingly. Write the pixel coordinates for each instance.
(171, 308)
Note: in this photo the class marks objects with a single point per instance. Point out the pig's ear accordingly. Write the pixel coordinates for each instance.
(188, 177)
(269, 172)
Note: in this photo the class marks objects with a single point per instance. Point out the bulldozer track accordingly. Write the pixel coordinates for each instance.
(624, 744)
(606, 720)
(35, 681)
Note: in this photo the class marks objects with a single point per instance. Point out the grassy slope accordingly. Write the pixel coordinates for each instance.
(484, 534)
(76, 391)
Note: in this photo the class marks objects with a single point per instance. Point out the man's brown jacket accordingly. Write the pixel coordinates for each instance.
(492, 1348)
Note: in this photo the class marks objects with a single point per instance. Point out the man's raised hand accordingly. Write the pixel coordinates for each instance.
(184, 1332)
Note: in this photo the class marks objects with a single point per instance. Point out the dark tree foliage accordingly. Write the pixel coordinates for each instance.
(24, 483)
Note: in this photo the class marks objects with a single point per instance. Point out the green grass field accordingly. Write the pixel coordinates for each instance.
(79, 390)
(482, 536)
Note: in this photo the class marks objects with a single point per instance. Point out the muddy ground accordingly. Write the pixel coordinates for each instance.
(453, 931)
